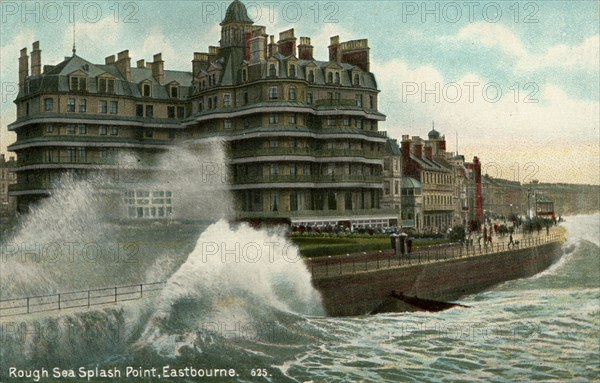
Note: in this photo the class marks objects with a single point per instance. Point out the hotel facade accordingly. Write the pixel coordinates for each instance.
(301, 135)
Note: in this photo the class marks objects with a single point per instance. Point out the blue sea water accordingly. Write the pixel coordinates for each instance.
(265, 319)
(241, 298)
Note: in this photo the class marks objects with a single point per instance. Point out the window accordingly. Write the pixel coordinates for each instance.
(49, 128)
(356, 81)
(371, 102)
(102, 130)
(149, 133)
(273, 93)
(346, 121)
(359, 123)
(200, 106)
(273, 118)
(48, 104)
(72, 154)
(292, 119)
(103, 106)
(309, 98)
(70, 129)
(292, 93)
(293, 71)
(114, 107)
(245, 98)
(106, 85)
(331, 121)
(82, 129)
(228, 124)
(78, 83)
(386, 188)
(174, 91)
(170, 111)
(83, 105)
(209, 103)
(274, 169)
(114, 131)
(293, 169)
(71, 105)
(311, 76)
(244, 75)
(139, 110)
(359, 100)
(180, 112)
(272, 70)
(337, 77)
(227, 100)
(82, 155)
(149, 110)
(329, 77)
(146, 90)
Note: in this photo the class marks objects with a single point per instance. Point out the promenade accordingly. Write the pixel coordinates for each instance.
(333, 266)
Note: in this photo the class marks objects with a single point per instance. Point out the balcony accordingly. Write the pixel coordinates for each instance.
(241, 180)
(286, 151)
(318, 213)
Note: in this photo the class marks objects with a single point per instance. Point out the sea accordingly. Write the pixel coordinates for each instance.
(238, 306)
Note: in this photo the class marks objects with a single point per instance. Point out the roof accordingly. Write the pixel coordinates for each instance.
(411, 183)
(237, 13)
(433, 134)
(392, 148)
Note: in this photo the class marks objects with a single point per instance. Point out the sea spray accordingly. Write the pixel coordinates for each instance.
(236, 278)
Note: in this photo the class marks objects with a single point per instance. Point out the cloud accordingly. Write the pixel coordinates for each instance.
(505, 128)
(579, 57)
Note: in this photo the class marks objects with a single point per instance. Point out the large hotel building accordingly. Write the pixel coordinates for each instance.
(301, 135)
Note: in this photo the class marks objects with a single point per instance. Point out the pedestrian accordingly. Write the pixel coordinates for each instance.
(547, 229)
(409, 245)
(510, 240)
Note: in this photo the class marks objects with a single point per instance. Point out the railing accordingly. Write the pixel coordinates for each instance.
(356, 213)
(76, 299)
(362, 262)
(279, 151)
(306, 178)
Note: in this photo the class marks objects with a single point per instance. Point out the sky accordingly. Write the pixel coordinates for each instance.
(516, 83)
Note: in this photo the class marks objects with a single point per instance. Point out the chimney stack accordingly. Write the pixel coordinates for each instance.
(2, 158)
(287, 43)
(334, 49)
(200, 60)
(23, 69)
(273, 48)
(141, 64)
(305, 50)
(356, 52)
(158, 68)
(36, 59)
(419, 151)
(429, 153)
(124, 64)
(110, 60)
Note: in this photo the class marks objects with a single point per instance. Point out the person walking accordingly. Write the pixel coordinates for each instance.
(510, 240)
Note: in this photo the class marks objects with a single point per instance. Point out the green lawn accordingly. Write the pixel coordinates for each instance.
(319, 246)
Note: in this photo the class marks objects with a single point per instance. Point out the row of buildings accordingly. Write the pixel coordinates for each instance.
(301, 135)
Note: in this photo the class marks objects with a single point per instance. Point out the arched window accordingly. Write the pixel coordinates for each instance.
(330, 77)
(272, 70)
(337, 77)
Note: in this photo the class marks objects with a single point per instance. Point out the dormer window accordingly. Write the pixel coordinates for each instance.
(106, 85)
(330, 77)
(174, 91)
(356, 81)
(292, 71)
(146, 90)
(311, 76)
(78, 83)
(272, 70)
(337, 77)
